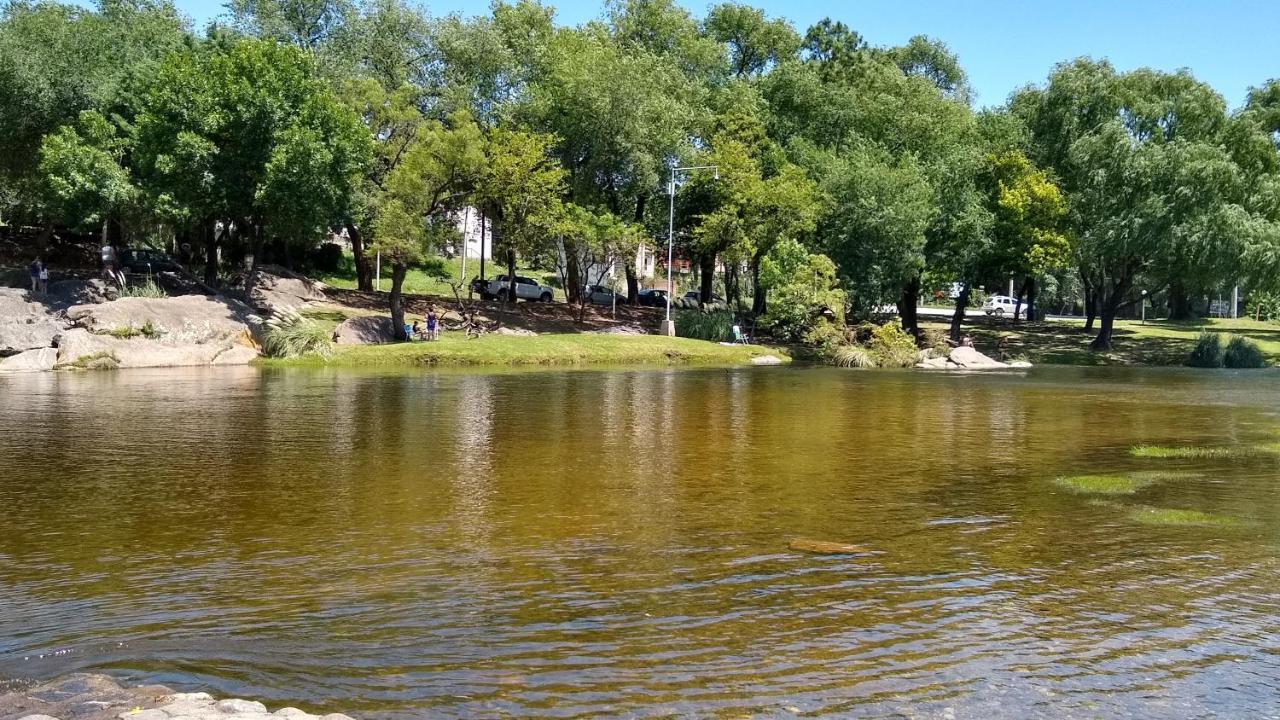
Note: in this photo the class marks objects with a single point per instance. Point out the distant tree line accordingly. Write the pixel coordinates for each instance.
(295, 119)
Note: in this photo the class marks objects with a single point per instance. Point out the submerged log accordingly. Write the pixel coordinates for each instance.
(823, 547)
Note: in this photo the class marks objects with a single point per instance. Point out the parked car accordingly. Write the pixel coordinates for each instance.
(526, 289)
(653, 298)
(1001, 305)
(145, 260)
(696, 296)
(602, 295)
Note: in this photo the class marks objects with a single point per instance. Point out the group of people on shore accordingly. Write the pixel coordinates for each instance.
(428, 329)
(39, 276)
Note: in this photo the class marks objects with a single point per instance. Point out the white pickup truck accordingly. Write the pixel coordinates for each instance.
(526, 289)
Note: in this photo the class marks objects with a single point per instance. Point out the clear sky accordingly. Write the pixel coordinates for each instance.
(1004, 44)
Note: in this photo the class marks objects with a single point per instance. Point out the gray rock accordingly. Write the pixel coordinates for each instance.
(183, 319)
(26, 323)
(38, 360)
(970, 359)
(292, 712)
(934, 363)
(37, 717)
(766, 360)
(270, 288)
(152, 714)
(517, 332)
(76, 291)
(336, 716)
(364, 330)
(81, 349)
(241, 706)
(192, 697)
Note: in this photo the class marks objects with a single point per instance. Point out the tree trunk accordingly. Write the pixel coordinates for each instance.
(708, 277)
(509, 294)
(633, 282)
(731, 291)
(1179, 303)
(1090, 307)
(484, 227)
(759, 304)
(210, 253)
(957, 317)
(907, 306)
(572, 274)
(1110, 299)
(1030, 287)
(1017, 301)
(364, 272)
(398, 271)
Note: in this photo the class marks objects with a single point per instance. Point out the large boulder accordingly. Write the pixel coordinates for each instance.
(178, 320)
(271, 287)
(38, 360)
(970, 359)
(159, 332)
(365, 330)
(26, 324)
(78, 291)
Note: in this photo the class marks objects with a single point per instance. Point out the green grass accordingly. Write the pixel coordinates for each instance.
(1156, 342)
(418, 282)
(1170, 516)
(551, 350)
(1183, 453)
(1103, 484)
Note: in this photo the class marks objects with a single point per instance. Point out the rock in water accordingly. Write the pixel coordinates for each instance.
(823, 547)
(970, 359)
(766, 360)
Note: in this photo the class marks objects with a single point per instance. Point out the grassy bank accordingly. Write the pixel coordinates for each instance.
(1154, 343)
(552, 350)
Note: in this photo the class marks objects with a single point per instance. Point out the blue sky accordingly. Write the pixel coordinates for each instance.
(1005, 44)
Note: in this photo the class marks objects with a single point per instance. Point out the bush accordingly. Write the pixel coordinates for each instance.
(935, 340)
(891, 346)
(851, 356)
(1264, 306)
(145, 289)
(825, 336)
(1207, 352)
(289, 335)
(1243, 353)
(716, 326)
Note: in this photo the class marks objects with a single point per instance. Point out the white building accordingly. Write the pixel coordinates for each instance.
(469, 225)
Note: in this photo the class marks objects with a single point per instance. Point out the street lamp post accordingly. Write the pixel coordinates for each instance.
(668, 325)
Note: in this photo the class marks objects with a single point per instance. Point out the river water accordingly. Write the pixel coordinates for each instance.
(557, 544)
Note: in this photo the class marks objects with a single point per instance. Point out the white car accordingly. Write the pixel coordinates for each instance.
(1001, 305)
(526, 289)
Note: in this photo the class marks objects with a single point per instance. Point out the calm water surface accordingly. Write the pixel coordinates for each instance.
(615, 543)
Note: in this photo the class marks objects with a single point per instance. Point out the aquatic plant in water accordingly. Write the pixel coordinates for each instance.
(1103, 484)
(1172, 516)
(1161, 451)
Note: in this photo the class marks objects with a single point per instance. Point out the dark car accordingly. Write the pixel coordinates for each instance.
(694, 295)
(148, 261)
(653, 298)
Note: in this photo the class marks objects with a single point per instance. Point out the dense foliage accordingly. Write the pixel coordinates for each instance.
(849, 176)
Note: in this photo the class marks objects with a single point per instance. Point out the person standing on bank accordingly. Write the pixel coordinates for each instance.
(44, 279)
(35, 268)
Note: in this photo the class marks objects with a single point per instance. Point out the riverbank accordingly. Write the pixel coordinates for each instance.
(98, 697)
(550, 349)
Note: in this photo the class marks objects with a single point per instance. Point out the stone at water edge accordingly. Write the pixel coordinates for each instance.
(823, 547)
(37, 717)
(39, 360)
(766, 360)
(970, 359)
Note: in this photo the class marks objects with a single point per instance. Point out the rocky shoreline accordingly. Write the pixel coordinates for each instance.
(98, 697)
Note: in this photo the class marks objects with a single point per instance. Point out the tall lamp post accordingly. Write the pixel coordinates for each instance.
(668, 326)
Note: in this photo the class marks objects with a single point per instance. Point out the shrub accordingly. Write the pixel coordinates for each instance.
(851, 356)
(825, 336)
(935, 340)
(891, 346)
(1264, 306)
(1207, 352)
(289, 335)
(1242, 352)
(328, 258)
(145, 289)
(716, 326)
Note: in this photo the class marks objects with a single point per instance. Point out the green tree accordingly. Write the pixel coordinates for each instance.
(415, 214)
(803, 285)
(755, 43)
(88, 182)
(245, 133)
(523, 185)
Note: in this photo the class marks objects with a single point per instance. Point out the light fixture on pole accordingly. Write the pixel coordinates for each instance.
(668, 326)
(1144, 307)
